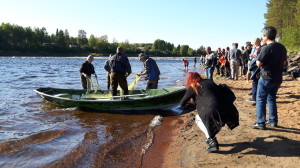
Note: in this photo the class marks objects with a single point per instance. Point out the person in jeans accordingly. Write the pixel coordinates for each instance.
(209, 63)
(151, 70)
(235, 55)
(120, 69)
(271, 60)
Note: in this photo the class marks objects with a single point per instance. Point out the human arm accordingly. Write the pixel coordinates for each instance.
(128, 67)
(189, 94)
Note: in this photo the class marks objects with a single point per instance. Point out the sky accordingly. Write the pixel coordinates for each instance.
(214, 23)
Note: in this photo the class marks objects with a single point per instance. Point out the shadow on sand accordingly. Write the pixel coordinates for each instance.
(273, 146)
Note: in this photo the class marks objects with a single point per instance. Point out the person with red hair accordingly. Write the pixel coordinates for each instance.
(214, 104)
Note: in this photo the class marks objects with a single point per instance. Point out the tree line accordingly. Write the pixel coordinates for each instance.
(15, 38)
(285, 17)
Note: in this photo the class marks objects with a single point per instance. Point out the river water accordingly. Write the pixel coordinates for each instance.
(35, 133)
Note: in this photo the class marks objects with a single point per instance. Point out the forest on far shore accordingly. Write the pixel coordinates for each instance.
(26, 41)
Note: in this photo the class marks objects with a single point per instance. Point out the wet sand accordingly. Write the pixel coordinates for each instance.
(179, 142)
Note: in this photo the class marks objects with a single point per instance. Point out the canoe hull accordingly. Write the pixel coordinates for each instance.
(153, 102)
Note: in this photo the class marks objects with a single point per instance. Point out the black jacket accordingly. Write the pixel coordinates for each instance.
(87, 68)
(214, 104)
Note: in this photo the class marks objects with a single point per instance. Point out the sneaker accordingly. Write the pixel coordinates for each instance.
(256, 126)
(251, 100)
(271, 124)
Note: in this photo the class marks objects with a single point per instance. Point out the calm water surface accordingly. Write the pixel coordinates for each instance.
(34, 133)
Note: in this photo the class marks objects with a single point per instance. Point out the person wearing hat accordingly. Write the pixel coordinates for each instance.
(120, 69)
(86, 70)
(151, 71)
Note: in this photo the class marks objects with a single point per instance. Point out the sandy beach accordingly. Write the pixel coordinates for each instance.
(178, 143)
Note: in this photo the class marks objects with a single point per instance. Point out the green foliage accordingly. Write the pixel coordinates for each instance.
(291, 37)
(285, 17)
(18, 40)
(184, 50)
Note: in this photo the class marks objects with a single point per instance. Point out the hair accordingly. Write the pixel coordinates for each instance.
(192, 80)
(120, 50)
(270, 32)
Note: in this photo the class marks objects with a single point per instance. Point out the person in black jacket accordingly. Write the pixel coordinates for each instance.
(86, 70)
(214, 104)
(120, 69)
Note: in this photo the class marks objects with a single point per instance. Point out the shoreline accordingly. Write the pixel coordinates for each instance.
(179, 142)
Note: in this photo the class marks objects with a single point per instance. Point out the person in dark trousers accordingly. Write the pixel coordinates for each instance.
(271, 60)
(151, 70)
(214, 104)
(107, 69)
(120, 69)
(86, 70)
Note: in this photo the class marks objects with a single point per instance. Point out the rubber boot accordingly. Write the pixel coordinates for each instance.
(114, 92)
(213, 145)
(125, 92)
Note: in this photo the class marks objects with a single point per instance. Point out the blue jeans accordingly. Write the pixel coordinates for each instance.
(266, 93)
(209, 73)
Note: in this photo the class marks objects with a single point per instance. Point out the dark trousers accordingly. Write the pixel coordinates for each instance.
(152, 84)
(108, 80)
(118, 79)
(254, 88)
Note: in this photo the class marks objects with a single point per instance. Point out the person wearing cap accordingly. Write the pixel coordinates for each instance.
(86, 70)
(120, 69)
(151, 71)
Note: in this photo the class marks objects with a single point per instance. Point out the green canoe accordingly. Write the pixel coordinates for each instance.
(153, 99)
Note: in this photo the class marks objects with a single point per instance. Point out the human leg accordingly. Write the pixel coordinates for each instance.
(254, 89)
(123, 83)
(213, 144)
(83, 82)
(114, 83)
(152, 84)
(261, 99)
(272, 105)
(108, 80)
(211, 72)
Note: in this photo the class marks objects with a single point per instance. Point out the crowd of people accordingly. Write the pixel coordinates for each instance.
(263, 62)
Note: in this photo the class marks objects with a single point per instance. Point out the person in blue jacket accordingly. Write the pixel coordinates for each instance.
(151, 71)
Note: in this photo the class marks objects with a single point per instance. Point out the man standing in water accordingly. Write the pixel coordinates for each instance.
(86, 70)
(271, 60)
(151, 70)
(107, 69)
(120, 69)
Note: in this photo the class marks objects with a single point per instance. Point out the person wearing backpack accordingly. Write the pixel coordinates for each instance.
(235, 55)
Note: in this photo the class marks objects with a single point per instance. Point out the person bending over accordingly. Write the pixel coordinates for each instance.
(214, 104)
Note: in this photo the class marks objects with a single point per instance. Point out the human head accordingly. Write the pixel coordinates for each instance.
(192, 79)
(269, 33)
(90, 58)
(208, 50)
(256, 41)
(142, 57)
(235, 45)
(120, 50)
